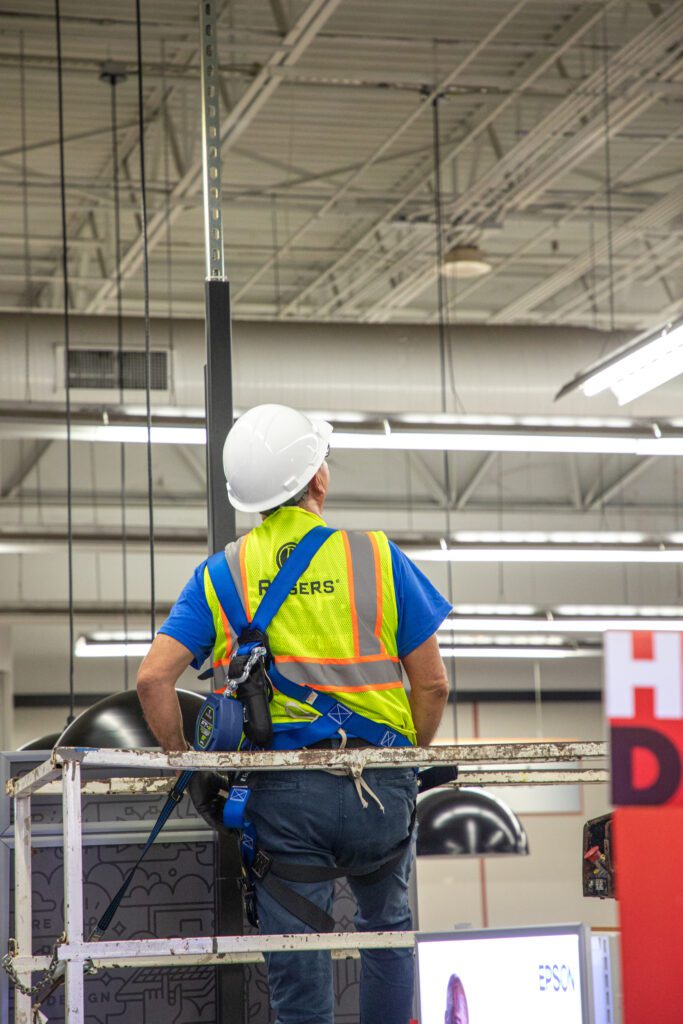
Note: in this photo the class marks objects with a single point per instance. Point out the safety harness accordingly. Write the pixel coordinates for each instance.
(333, 719)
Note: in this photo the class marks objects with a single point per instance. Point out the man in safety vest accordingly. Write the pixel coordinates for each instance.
(358, 614)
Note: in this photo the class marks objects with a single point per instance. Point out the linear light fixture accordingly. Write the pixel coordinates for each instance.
(551, 621)
(528, 653)
(538, 547)
(368, 431)
(636, 368)
(87, 647)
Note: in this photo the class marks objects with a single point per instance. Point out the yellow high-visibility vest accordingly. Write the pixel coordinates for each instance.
(336, 632)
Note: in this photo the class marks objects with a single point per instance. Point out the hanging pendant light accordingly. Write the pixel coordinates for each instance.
(467, 822)
(463, 261)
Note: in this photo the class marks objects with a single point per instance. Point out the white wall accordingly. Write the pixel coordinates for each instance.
(543, 887)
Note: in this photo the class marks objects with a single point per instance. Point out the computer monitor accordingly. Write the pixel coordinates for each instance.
(507, 976)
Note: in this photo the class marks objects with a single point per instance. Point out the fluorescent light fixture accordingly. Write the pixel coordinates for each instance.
(548, 623)
(537, 547)
(460, 441)
(129, 434)
(547, 556)
(459, 623)
(634, 369)
(372, 431)
(88, 648)
(525, 653)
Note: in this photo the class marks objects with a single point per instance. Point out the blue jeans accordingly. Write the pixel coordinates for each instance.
(311, 817)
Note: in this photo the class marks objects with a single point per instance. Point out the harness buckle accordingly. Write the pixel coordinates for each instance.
(261, 864)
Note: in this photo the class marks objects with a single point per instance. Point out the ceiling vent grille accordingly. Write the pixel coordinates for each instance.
(109, 369)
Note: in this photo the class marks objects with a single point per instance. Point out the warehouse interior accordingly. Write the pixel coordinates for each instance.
(435, 217)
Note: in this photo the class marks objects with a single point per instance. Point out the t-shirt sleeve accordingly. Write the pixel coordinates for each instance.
(190, 621)
(421, 608)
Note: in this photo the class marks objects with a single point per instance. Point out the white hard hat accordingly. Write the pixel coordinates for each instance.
(270, 454)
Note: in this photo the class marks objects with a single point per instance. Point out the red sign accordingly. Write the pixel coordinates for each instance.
(644, 705)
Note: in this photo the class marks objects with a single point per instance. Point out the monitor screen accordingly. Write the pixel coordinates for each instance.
(521, 976)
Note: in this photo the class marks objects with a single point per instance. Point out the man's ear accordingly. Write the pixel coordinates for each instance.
(316, 486)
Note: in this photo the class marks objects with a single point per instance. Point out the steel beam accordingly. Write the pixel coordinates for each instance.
(601, 497)
(575, 28)
(237, 120)
(420, 108)
(511, 180)
(476, 478)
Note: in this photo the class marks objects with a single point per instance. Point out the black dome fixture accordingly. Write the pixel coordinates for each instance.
(118, 721)
(466, 821)
(46, 742)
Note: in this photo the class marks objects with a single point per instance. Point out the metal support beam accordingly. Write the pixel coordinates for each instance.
(14, 480)
(219, 417)
(434, 487)
(594, 501)
(474, 481)
(577, 25)
(575, 482)
(293, 46)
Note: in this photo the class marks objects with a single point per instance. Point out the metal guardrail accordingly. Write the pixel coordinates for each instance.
(70, 768)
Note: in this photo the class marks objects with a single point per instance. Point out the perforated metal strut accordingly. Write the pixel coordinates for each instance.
(211, 144)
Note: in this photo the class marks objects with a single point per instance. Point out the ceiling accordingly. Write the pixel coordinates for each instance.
(559, 131)
(328, 130)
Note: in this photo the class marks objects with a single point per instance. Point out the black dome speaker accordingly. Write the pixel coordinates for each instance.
(466, 821)
(46, 742)
(118, 721)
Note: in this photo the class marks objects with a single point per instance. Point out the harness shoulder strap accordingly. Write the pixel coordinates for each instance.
(286, 578)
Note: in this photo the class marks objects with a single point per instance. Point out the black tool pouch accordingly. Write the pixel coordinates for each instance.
(254, 692)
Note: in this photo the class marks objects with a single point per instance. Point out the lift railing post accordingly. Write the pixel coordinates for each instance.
(219, 417)
(73, 889)
(23, 923)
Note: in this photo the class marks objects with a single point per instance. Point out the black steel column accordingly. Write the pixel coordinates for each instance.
(218, 377)
(219, 414)
(230, 994)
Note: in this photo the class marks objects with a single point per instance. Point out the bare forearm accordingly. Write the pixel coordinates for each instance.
(159, 672)
(427, 710)
(428, 689)
(162, 712)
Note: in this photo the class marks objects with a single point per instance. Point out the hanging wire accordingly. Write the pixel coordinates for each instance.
(442, 328)
(113, 78)
(438, 218)
(608, 170)
(27, 282)
(148, 353)
(169, 229)
(67, 349)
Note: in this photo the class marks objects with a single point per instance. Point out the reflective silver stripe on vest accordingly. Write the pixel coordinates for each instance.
(356, 675)
(232, 557)
(220, 676)
(364, 592)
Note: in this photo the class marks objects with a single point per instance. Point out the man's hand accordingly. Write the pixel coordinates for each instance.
(166, 661)
(208, 792)
(428, 688)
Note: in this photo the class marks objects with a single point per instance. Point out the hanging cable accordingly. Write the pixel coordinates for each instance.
(148, 353)
(27, 283)
(443, 341)
(169, 235)
(67, 350)
(608, 170)
(114, 73)
(438, 218)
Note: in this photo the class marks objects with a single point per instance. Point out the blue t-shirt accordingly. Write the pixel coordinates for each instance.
(421, 610)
